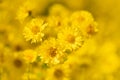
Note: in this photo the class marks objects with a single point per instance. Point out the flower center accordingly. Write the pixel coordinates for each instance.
(35, 30)
(52, 52)
(17, 63)
(58, 73)
(70, 38)
(91, 30)
(58, 23)
(80, 19)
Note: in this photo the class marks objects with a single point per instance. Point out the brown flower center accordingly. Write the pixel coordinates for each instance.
(52, 52)
(29, 12)
(58, 23)
(58, 73)
(80, 19)
(70, 38)
(17, 63)
(90, 29)
(35, 30)
(18, 47)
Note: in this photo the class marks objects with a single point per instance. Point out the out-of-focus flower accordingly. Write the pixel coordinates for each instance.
(50, 52)
(81, 18)
(29, 55)
(85, 21)
(70, 38)
(29, 9)
(55, 24)
(59, 72)
(33, 31)
(54, 21)
(24, 11)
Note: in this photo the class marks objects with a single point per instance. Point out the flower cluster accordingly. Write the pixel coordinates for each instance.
(58, 34)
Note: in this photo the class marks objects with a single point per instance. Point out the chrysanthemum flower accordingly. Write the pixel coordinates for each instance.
(85, 21)
(33, 31)
(70, 38)
(59, 72)
(55, 24)
(51, 52)
(24, 11)
(54, 21)
(29, 55)
(81, 18)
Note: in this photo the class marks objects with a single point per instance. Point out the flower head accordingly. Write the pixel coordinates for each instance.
(70, 38)
(59, 72)
(51, 52)
(85, 21)
(24, 11)
(29, 55)
(33, 31)
(55, 24)
(81, 17)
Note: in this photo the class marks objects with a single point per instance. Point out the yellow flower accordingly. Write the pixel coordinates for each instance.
(70, 38)
(85, 21)
(29, 55)
(50, 52)
(54, 21)
(33, 31)
(58, 72)
(81, 18)
(24, 11)
(55, 24)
